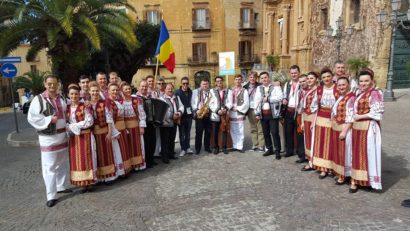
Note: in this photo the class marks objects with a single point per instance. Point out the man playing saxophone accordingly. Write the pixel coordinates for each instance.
(219, 105)
(200, 102)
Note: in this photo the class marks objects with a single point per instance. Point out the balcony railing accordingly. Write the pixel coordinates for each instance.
(250, 25)
(201, 25)
(197, 59)
(248, 58)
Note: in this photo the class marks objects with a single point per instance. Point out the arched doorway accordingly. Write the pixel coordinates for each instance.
(199, 76)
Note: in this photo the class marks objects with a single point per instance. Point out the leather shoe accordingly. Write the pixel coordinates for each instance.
(240, 150)
(173, 157)
(322, 176)
(268, 153)
(304, 169)
(216, 151)
(406, 203)
(301, 161)
(288, 155)
(82, 190)
(208, 150)
(67, 190)
(354, 190)
(154, 163)
(51, 203)
(339, 183)
(278, 157)
(166, 161)
(197, 152)
(225, 151)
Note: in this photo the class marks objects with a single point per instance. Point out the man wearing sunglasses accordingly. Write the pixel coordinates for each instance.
(185, 94)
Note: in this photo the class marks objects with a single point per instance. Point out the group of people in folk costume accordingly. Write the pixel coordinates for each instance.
(332, 122)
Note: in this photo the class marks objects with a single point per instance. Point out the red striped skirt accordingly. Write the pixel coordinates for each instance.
(307, 123)
(81, 160)
(322, 146)
(134, 143)
(105, 154)
(359, 153)
(338, 150)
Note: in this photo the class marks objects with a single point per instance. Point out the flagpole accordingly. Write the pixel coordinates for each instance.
(156, 72)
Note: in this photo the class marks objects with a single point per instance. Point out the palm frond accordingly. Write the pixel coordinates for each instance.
(87, 27)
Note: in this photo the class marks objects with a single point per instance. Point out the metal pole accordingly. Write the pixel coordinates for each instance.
(389, 94)
(338, 47)
(12, 101)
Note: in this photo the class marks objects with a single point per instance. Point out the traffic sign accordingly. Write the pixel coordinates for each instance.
(8, 70)
(11, 59)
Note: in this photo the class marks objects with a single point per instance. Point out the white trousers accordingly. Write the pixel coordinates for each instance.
(157, 142)
(54, 168)
(237, 133)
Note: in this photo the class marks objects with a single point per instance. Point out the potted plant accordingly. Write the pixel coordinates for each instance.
(355, 64)
(273, 61)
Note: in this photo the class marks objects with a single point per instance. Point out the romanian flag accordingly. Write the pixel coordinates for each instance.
(165, 53)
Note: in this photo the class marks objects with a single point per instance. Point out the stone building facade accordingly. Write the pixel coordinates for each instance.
(199, 30)
(367, 41)
(287, 33)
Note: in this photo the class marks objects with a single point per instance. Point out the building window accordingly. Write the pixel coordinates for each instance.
(245, 51)
(33, 68)
(324, 19)
(153, 16)
(355, 11)
(247, 18)
(199, 52)
(201, 19)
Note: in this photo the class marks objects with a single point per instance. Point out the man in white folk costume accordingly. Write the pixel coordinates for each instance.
(237, 114)
(47, 116)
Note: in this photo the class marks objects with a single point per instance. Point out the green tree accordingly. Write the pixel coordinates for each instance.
(115, 55)
(355, 64)
(273, 61)
(32, 80)
(70, 30)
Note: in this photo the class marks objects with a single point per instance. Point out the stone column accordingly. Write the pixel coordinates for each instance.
(285, 30)
(270, 33)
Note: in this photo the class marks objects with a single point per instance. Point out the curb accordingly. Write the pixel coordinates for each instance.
(17, 143)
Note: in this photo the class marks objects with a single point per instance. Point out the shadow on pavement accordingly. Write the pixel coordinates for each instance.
(394, 168)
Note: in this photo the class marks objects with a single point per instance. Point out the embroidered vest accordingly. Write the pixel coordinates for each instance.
(114, 110)
(320, 94)
(363, 106)
(100, 114)
(221, 102)
(341, 108)
(239, 98)
(79, 112)
(309, 100)
(135, 102)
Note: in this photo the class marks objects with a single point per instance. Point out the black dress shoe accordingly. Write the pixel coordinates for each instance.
(173, 157)
(208, 150)
(351, 190)
(339, 183)
(288, 155)
(216, 151)
(165, 161)
(197, 152)
(278, 157)
(225, 151)
(406, 203)
(322, 176)
(301, 161)
(154, 163)
(268, 153)
(82, 190)
(304, 169)
(240, 150)
(51, 203)
(67, 190)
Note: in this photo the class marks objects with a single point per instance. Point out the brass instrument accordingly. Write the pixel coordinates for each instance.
(204, 110)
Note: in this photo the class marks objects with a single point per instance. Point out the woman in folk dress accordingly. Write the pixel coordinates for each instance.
(366, 136)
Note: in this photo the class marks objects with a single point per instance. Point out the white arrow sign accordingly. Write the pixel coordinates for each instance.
(8, 71)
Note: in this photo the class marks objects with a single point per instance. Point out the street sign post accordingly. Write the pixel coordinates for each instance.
(8, 70)
(11, 59)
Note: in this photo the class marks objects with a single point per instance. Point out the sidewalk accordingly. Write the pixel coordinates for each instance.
(25, 138)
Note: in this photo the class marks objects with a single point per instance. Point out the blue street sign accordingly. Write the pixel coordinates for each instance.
(8, 70)
(11, 59)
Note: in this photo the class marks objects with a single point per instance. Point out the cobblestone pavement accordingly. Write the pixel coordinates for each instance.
(223, 192)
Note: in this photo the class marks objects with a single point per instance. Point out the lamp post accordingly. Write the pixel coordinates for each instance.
(339, 34)
(394, 22)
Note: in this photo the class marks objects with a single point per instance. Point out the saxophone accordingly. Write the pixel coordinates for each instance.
(204, 110)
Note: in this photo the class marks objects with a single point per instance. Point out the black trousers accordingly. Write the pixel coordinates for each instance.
(290, 130)
(215, 132)
(202, 127)
(270, 127)
(149, 142)
(167, 142)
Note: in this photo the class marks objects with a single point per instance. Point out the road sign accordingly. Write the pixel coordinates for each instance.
(8, 70)
(11, 59)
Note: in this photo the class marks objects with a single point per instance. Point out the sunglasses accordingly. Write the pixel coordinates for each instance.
(185, 83)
